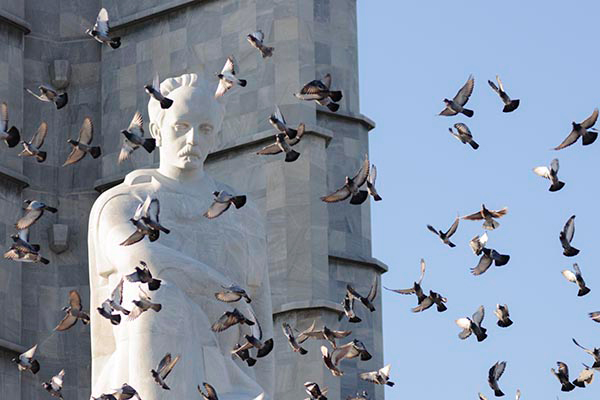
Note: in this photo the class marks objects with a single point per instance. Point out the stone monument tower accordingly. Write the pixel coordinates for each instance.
(313, 248)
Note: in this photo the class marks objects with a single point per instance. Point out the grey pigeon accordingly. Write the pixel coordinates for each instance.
(371, 183)
(278, 122)
(566, 236)
(428, 301)
(350, 350)
(143, 304)
(464, 135)
(126, 392)
(23, 251)
(55, 385)
(50, 95)
(494, 374)
(154, 92)
(380, 377)
(314, 391)
(104, 396)
(367, 300)
(211, 393)
(322, 334)
(575, 277)
(585, 377)
(256, 40)
(255, 339)
(27, 361)
(489, 256)
(221, 203)
(416, 288)
(583, 130)
(112, 304)
(320, 91)
(227, 78)
(33, 212)
(595, 352)
(595, 316)
(445, 236)
(32, 148)
(11, 136)
(230, 318)
(81, 146)
(473, 325)
(232, 293)
(509, 105)
(550, 173)
(335, 371)
(165, 366)
(456, 105)
(363, 395)
(488, 216)
(243, 354)
(144, 275)
(146, 221)
(283, 144)
(348, 304)
(74, 313)
(352, 187)
(289, 334)
(503, 316)
(134, 138)
(563, 376)
(100, 31)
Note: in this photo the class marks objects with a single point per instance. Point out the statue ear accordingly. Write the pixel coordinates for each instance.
(155, 133)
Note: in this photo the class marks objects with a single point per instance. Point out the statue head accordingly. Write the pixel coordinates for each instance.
(185, 133)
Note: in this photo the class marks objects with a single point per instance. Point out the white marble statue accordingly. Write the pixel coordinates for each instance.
(193, 261)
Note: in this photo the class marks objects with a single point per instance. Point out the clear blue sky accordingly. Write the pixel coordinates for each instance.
(412, 55)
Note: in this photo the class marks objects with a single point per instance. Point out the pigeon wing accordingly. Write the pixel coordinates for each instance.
(453, 228)
(29, 353)
(75, 300)
(259, 35)
(216, 209)
(369, 376)
(223, 87)
(3, 117)
(542, 171)
(361, 176)
(102, 22)
(86, 133)
(137, 124)
(474, 217)
(279, 115)
(554, 166)
(30, 217)
(478, 315)
(569, 229)
(569, 140)
(38, 139)
(422, 271)
(339, 195)
(270, 149)
(327, 81)
(229, 66)
(169, 367)
(75, 155)
(464, 93)
(67, 322)
(156, 83)
(591, 120)
(484, 263)
(374, 287)
(163, 363)
(117, 294)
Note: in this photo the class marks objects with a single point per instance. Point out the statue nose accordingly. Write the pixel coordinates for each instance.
(192, 137)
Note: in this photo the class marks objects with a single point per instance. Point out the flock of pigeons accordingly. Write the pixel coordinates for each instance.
(146, 223)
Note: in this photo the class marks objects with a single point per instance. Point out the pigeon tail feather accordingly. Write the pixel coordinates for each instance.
(166, 103)
(333, 107)
(149, 145)
(467, 112)
(95, 151)
(571, 251)
(115, 43)
(512, 106)
(336, 95)
(474, 144)
(267, 51)
(61, 100)
(242, 82)
(238, 202)
(589, 138)
(291, 156)
(555, 187)
(14, 137)
(583, 291)
(44, 260)
(360, 197)
(40, 156)
(498, 393)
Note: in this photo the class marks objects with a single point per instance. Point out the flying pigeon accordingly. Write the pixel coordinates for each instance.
(33, 212)
(509, 105)
(494, 374)
(595, 352)
(243, 354)
(144, 275)
(350, 350)
(146, 222)
(165, 366)
(81, 145)
(32, 148)
(289, 334)
(371, 183)
(255, 339)
(322, 334)
(445, 236)
(284, 144)
(211, 393)
(489, 256)
(478, 243)
(425, 302)
(416, 289)
(256, 40)
(319, 91)
(503, 315)
(114, 304)
(143, 304)
(464, 135)
(314, 391)
(11, 136)
(363, 395)
(551, 174)
(126, 392)
(104, 396)
(23, 251)
(595, 316)
(473, 325)
(456, 105)
(232, 293)
(563, 376)
(50, 95)
(278, 122)
(367, 300)
(588, 136)
(348, 304)
(134, 138)
(154, 92)
(352, 187)
(100, 31)
(585, 377)
(221, 203)
(488, 217)
(230, 318)
(26, 361)
(227, 78)
(575, 277)
(335, 371)
(380, 377)
(73, 312)
(566, 235)
(54, 387)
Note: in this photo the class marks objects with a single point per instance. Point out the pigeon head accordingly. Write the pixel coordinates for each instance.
(148, 88)
(15, 360)
(73, 142)
(124, 131)
(348, 180)
(447, 101)
(216, 193)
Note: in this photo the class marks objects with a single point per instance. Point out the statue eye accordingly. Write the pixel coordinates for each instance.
(181, 126)
(206, 128)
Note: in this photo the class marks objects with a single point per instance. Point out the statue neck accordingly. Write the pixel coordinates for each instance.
(188, 177)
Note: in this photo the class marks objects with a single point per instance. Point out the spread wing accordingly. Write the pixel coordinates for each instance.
(453, 228)
(216, 209)
(270, 149)
(372, 175)
(591, 120)
(29, 353)
(279, 115)
(569, 229)
(40, 135)
(465, 92)
(313, 87)
(327, 81)
(30, 217)
(474, 217)
(137, 124)
(3, 117)
(554, 166)
(156, 82)
(86, 133)
(361, 176)
(152, 209)
(67, 322)
(169, 367)
(369, 376)
(478, 315)
(102, 22)
(229, 66)
(163, 363)
(223, 87)
(569, 275)
(210, 391)
(259, 35)
(75, 300)
(543, 171)
(374, 287)
(117, 294)
(572, 138)
(499, 370)
(339, 195)
(422, 271)
(499, 213)
(484, 264)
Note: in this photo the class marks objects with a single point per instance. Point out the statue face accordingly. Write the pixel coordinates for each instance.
(188, 129)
